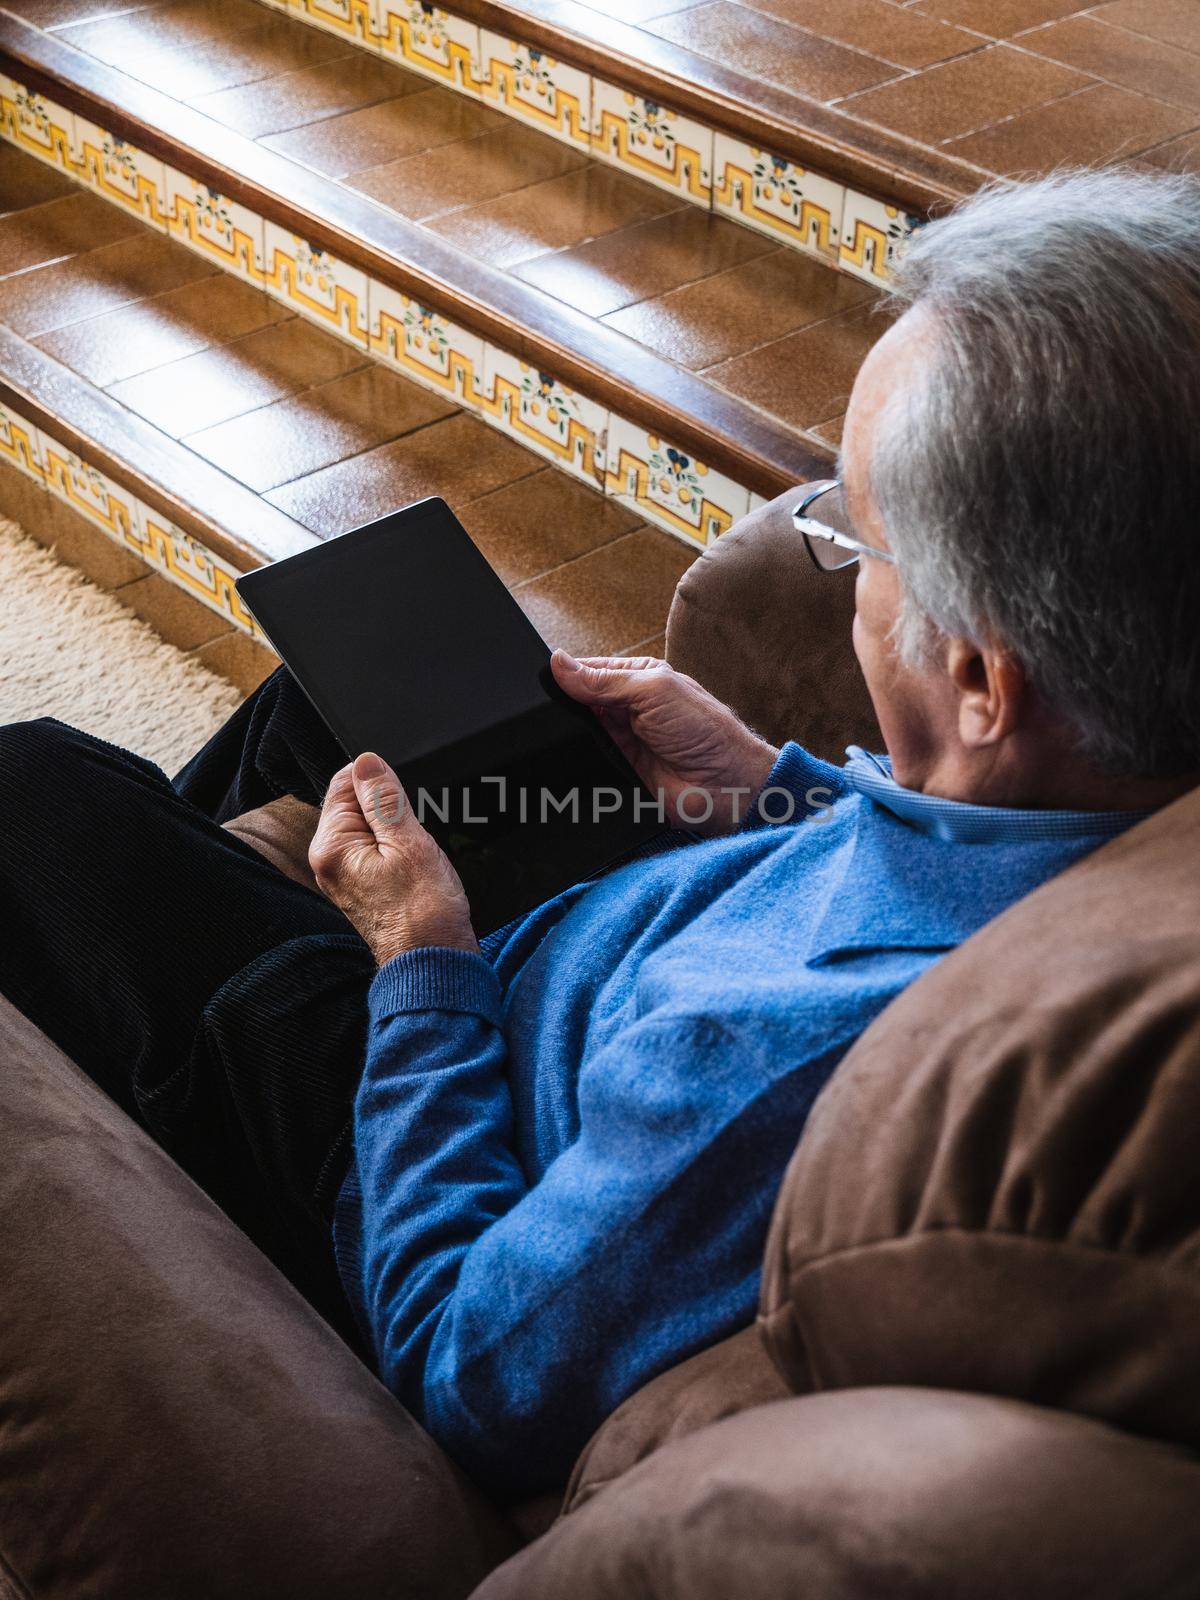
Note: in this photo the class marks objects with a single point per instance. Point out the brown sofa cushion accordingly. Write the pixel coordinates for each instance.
(998, 1189)
(881, 1494)
(174, 1420)
(756, 623)
(732, 1376)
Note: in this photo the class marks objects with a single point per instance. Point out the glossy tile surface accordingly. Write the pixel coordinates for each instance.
(704, 323)
(611, 599)
(86, 285)
(165, 328)
(327, 423)
(227, 381)
(459, 459)
(636, 263)
(763, 47)
(542, 522)
(806, 377)
(588, 203)
(1100, 124)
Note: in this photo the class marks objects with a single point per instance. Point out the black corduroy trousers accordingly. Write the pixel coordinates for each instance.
(222, 1005)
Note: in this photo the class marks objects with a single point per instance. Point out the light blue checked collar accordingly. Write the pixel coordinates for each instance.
(960, 823)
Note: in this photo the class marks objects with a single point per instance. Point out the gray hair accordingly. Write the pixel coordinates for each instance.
(1039, 480)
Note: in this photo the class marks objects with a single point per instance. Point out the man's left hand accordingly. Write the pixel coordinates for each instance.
(379, 866)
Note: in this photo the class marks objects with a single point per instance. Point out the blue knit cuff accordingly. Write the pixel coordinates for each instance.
(435, 978)
(798, 786)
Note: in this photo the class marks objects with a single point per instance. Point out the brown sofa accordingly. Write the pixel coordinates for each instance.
(973, 1374)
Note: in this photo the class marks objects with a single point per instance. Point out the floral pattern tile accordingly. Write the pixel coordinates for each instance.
(546, 416)
(668, 486)
(214, 225)
(21, 445)
(193, 566)
(645, 138)
(37, 124)
(89, 491)
(428, 40)
(778, 197)
(120, 172)
(425, 346)
(349, 19)
(874, 236)
(531, 85)
(316, 283)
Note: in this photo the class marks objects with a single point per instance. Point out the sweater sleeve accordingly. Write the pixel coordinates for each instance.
(510, 1318)
(798, 786)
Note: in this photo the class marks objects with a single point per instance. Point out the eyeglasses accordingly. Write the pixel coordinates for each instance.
(830, 540)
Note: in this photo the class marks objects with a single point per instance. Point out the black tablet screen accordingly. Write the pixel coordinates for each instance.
(408, 643)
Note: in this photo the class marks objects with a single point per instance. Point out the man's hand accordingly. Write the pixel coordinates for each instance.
(678, 738)
(375, 861)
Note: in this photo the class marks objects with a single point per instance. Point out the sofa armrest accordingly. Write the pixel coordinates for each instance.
(757, 624)
(176, 1420)
(916, 1494)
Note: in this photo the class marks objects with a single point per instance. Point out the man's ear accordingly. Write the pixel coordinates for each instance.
(991, 687)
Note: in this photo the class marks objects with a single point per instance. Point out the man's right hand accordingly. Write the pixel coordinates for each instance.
(680, 740)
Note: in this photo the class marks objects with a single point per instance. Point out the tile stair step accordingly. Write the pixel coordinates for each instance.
(688, 455)
(113, 449)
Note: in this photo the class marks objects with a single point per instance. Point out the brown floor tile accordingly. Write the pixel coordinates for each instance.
(57, 13)
(420, 119)
(465, 173)
(733, 311)
(639, 11)
(1100, 124)
(656, 646)
(763, 48)
(966, 94)
(25, 181)
(646, 260)
(612, 598)
(300, 435)
(1125, 59)
(997, 19)
(1174, 22)
(584, 204)
(189, 67)
(295, 98)
(537, 523)
(831, 431)
(904, 38)
(75, 224)
(77, 542)
(119, 39)
(202, 390)
(101, 280)
(173, 613)
(150, 333)
(459, 459)
(1180, 155)
(806, 378)
(238, 659)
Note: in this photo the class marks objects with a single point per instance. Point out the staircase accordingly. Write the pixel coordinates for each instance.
(601, 280)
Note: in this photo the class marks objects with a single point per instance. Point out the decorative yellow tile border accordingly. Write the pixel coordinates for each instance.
(750, 185)
(666, 485)
(125, 518)
(670, 487)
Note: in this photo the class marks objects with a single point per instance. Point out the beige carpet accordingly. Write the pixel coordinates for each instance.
(70, 650)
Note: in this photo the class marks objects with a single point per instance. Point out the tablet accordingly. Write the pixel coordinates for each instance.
(408, 643)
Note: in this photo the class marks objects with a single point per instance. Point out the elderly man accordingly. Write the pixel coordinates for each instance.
(545, 1160)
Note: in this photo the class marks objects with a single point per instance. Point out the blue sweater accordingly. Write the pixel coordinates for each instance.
(567, 1148)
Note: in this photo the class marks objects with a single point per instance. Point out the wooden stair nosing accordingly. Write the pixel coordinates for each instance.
(199, 499)
(833, 142)
(599, 362)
